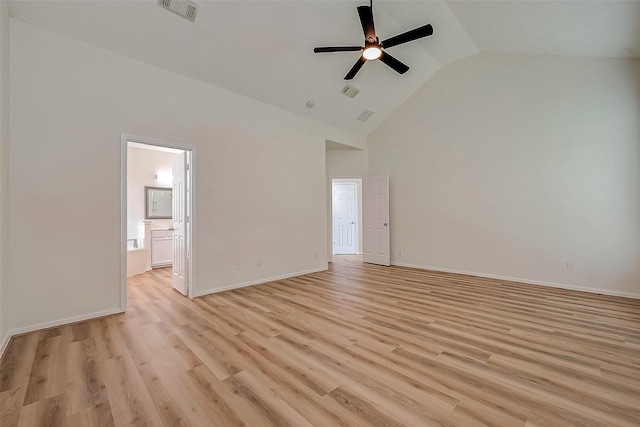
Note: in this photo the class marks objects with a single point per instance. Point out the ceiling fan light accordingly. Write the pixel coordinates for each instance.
(372, 52)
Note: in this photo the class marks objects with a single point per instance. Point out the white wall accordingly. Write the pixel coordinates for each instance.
(4, 173)
(347, 163)
(512, 166)
(260, 176)
(142, 166)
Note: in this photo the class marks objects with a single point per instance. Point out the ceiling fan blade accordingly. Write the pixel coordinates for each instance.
(356, 67)
(337, 49)
(366, 19)
(393, 63)
(416, 33)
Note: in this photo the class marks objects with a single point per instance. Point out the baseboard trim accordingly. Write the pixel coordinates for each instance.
(528, 281)
(68, 320)
(258, 282)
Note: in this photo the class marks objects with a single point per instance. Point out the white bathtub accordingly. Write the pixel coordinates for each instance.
(136, 261)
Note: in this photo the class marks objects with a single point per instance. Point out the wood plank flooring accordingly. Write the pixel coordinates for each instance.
(357, 345)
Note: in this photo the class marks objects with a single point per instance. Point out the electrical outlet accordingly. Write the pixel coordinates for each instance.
(400, 253)
(316, 255)
(569, 265)
(237, 266)
(259, 263)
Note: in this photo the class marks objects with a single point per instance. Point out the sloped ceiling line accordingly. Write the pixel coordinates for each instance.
(264, 49)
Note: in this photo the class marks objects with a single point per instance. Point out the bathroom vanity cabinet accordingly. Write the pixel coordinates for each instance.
(161, 248)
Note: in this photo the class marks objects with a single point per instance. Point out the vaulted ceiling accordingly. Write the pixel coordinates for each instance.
(264, 49)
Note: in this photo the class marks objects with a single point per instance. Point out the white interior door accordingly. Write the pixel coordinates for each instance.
(344, 218)
(375, 218)
(179, 216)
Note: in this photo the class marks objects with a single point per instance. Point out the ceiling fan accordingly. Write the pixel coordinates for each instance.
(374, 48)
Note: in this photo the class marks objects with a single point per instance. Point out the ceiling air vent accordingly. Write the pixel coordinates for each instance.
(350, 91)
(185, 8)
(365, 115)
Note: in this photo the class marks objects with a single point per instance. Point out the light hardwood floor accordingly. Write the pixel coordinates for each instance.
(356, 345)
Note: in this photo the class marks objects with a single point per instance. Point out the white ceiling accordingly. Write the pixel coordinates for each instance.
(264, 49)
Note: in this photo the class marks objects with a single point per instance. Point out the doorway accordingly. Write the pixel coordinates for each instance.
(151, 167)
(346, 224)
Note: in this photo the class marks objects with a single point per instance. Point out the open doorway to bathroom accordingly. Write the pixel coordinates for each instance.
(157, 210)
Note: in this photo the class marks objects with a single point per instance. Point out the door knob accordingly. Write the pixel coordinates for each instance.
(385, 224)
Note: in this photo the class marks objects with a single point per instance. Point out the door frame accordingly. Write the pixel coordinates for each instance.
(346, 179)
(191, 175)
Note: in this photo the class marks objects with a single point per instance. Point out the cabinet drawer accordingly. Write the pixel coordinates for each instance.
(160, 233)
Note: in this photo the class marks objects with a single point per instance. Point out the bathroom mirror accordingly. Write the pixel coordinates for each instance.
(157, 203)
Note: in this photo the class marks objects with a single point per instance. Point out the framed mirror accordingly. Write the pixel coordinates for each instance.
(157, 203)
